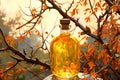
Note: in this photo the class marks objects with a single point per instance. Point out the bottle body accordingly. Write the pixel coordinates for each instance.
(65, 56)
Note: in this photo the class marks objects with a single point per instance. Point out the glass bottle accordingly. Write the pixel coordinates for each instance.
(65, 54)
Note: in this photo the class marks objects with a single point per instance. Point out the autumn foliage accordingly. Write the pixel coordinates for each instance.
(100, 54)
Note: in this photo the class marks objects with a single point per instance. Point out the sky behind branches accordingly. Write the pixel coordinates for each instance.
(11, 7)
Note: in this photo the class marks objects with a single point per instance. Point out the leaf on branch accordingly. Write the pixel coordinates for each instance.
(73, 12)
(98, 4)
(114, 8)
(85, 3)
(87, 57)
(18, 23)
(45, 6)
(85, 70)
(87, 19)
(37, 46)
(93, 74)
(104, 27)
(84, 78)
(21, 38)
(46, 32)
(20, 70)
(10, 64)
(112, 20)
(87, 9)
(91, 50)
(101, 54)
(101, 19)
(44, 1)
(37, 32)
(106, 59)
(39, 21)
(42, 67)
(118, 48)
(28, 33)
(114, 64)
(95, 9)
(91, 65)
(33, 11)
(1, 72)
(10, 40)
(10, 74)
(115, 44)
(76, 10)
(52, 36)
(5, 77)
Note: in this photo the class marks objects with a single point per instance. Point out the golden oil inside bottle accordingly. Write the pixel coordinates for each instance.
(65, 56)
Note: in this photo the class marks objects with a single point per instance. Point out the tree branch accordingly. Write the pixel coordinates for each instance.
(16, 52)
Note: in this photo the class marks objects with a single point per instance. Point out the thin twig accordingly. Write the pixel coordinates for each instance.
(10, 68)
(70, 6)
(118, 75)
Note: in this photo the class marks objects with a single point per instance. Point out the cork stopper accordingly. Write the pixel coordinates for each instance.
(65, 23)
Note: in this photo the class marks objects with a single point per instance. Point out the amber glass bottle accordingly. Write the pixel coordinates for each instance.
(65, 53)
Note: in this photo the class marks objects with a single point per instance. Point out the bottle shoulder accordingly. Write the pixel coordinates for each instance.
(65, 38)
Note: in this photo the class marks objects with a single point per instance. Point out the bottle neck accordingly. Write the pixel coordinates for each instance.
(64, 29)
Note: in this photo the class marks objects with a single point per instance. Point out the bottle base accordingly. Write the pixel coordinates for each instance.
(54, 77)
